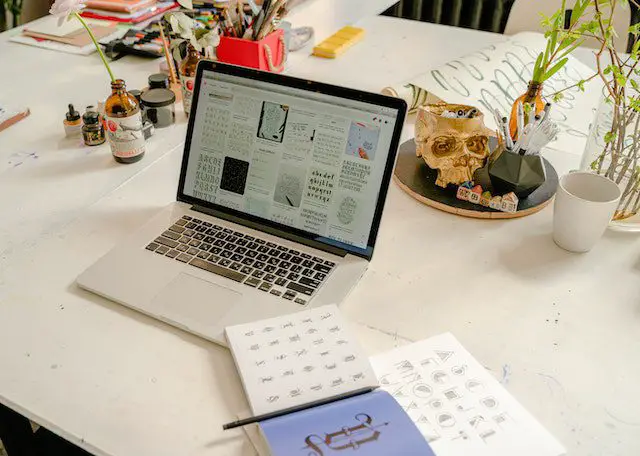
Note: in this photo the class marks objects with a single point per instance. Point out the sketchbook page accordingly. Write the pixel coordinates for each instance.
(457, 405)
(298, 358)
(495, 76)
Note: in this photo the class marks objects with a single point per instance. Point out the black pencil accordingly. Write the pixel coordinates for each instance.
(298, 408)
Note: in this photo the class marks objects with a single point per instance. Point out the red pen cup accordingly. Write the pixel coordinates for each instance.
(267, 54)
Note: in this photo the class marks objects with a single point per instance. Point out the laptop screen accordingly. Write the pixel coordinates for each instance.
(303, 159)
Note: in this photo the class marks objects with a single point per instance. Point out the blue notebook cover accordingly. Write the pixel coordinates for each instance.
(372, 424)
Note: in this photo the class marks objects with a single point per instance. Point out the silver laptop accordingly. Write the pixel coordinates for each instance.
(281, 191)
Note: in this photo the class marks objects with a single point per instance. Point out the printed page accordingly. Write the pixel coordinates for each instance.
(457, 405)
(299, 358)
(493, 77)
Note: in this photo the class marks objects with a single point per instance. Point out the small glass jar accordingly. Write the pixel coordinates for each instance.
(92, 128)
(159, 107)
(158, 81)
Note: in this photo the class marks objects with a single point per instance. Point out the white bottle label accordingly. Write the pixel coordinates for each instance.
(187, 92)
(125, 135)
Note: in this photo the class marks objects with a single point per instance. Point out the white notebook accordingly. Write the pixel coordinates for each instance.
(297, 359)
(459, 407)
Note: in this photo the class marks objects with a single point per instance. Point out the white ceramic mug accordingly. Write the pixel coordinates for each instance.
(584, 205)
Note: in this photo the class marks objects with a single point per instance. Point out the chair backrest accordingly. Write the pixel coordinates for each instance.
(525, 17)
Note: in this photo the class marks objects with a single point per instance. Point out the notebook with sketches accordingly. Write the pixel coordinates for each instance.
(459, 407)
(495, 76)
(368, 425)
(301, 358)
(297, 359)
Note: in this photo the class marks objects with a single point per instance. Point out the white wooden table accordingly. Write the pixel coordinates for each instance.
(560, 330)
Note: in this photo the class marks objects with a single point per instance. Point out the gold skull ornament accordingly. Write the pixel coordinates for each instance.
(456, 147)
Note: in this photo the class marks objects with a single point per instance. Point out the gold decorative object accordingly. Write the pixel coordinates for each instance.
(456, 147)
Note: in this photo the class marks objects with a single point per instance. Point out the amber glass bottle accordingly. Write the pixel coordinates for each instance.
(533, 94)
(124, 124)
(188, 76)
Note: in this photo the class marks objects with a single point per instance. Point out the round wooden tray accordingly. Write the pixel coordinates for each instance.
(414, 177)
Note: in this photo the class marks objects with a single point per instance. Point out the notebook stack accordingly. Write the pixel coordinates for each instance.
(127, 11)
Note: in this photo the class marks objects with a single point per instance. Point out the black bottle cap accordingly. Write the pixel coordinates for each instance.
(72, 115)
(136, 93)
(158, 98)
(91, 118)
(159, 81)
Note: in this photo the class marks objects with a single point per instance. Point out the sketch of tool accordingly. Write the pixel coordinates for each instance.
(444, 355)
(489, 402)
(461, 436)
(476, 421)
(352, 437)
(446, 420)
(387, 379)
(412, 377)
(474, 386)
(452, 394)
(465, 404)
(484, 435)
(440, 377)
(404, 366)
(412, 406)
(459, 370)
(435, 404)
(398, 393)
(429, 362)
(422, 390)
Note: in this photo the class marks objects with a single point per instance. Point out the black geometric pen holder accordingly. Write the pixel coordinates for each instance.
(520, 174)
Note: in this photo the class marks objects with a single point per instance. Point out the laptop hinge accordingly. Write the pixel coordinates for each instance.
(270, 230)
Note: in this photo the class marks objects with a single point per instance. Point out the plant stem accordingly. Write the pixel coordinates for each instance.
(97, 45)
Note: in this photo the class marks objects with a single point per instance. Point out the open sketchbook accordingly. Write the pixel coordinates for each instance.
(298, 359)
(455, 404)
(493, 77)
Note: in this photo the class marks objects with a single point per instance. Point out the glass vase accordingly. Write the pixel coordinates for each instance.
(532, 95)
(618, 158)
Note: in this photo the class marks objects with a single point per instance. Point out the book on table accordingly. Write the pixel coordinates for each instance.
(293, 361)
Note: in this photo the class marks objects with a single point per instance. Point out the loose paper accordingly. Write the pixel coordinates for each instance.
(458, 406)
(495, 76)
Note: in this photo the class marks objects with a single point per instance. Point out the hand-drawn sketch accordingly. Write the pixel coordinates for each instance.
(347, 210)
(289, 185)
(461, 409)
(363, 140)
(422, 390)
(234, 175)
(273, 120)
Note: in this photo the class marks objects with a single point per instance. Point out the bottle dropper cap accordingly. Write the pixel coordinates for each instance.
(72, 115)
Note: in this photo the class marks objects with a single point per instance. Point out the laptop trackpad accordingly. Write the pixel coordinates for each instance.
(194, 301)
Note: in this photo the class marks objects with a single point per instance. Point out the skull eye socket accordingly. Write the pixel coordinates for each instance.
(477, 144)
(443, 146)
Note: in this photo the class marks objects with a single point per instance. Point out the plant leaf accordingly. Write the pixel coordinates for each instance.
(537, 70)
(554, 69)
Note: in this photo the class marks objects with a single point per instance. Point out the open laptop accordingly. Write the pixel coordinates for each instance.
(281, 191)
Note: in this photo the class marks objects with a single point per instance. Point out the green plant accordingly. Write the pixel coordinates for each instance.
(12, 6)
(619, 158)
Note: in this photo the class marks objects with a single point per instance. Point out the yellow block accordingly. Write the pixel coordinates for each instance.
(339, 42)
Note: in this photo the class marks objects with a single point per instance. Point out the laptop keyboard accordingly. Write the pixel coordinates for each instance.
(267, 266)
